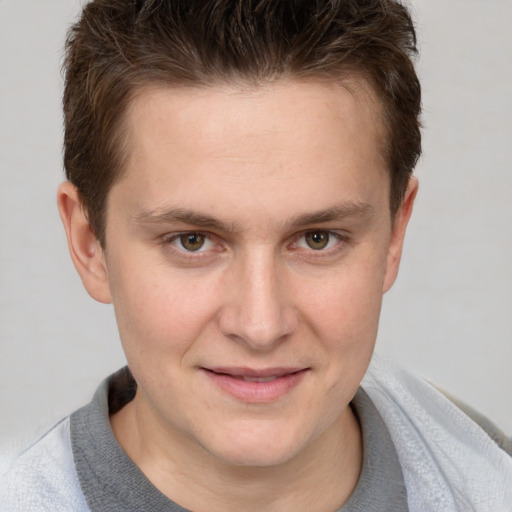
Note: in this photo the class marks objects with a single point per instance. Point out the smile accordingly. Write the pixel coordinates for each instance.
(256, 379)
(256, 386)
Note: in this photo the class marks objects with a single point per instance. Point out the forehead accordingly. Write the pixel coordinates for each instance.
(289, 142)
(212, 108)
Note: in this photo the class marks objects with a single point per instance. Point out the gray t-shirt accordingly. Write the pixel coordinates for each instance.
(111, 482)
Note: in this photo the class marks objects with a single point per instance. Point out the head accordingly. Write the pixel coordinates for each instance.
(240, 193)
(118, 48)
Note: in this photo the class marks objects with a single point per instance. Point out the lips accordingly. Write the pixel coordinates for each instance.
(256, 385)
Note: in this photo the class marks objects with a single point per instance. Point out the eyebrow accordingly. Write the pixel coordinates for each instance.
(185, 216)
(205, 221)
(336, 213)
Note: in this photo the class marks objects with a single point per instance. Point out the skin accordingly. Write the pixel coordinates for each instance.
(262, 178)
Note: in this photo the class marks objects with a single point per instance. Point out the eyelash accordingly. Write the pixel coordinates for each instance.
(176, 237)
(340, 241)
(333, 236)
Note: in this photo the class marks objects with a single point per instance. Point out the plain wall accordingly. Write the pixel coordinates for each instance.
(449, 316)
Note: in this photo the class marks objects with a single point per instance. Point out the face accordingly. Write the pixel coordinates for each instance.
(248, 246)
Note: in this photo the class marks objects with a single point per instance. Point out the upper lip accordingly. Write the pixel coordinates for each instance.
(255, 373)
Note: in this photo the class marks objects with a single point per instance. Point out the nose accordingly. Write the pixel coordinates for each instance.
(257, 311)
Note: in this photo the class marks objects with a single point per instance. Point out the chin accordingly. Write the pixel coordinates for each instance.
(258, 449)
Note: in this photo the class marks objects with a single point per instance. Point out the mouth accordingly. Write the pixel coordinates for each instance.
(255, 379)
(256, 385)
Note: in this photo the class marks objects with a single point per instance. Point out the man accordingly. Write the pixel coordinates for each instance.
(239, 188)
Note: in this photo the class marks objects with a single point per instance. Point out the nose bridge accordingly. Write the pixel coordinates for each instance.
(257, 311)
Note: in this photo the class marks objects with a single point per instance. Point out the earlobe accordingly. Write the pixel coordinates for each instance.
(398, 234)
(84, 247)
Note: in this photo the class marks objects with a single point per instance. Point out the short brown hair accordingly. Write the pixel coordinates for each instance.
(119, 46)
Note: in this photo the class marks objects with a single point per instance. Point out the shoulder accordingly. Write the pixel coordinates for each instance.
(43, 477)
(446, 456)
(497, 435)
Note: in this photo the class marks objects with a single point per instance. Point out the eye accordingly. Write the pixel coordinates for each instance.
(318, 240)
(190, 242)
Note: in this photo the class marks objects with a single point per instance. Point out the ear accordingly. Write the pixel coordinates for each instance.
(398, 229)
(84, 247)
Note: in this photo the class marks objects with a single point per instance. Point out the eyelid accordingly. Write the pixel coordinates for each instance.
(169, 238)
(340, 236)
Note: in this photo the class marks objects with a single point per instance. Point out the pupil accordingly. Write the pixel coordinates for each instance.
(192, 241)
(317, 239)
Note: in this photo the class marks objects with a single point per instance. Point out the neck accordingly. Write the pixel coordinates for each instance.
(320, 478)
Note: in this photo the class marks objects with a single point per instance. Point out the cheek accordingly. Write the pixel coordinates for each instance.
(346, 303)
(160, 310)
(344, 315)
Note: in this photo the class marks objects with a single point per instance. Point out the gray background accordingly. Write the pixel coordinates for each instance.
(449, 316)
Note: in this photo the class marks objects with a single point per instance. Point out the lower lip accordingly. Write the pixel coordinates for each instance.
(256, 392)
